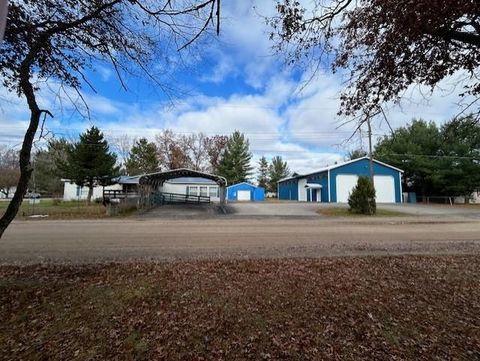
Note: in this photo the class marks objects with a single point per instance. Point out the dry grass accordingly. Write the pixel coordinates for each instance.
(56, 209)
(390, 308)
(344, 212)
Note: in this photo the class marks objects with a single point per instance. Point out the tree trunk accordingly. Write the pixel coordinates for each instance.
(25, 152)
(25, 169)
(90, 193)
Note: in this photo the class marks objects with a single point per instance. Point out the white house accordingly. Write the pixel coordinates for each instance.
(73, 192)
(194, 186)
(11, 191)
(123, 183)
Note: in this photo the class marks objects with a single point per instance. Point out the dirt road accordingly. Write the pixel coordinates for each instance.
(126, 239)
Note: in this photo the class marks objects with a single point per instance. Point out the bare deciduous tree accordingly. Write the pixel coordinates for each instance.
(385, 46)
(172, 151)
(122, 145)
(196, 150)
(215, 146)
(59, 39)
(196, 146)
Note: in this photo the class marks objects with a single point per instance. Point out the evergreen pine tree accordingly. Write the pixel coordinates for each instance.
(142, 158)
(46, 174)
(277, 170)
(89, 161)
(235, 164)
(263, 173)
(362, 198)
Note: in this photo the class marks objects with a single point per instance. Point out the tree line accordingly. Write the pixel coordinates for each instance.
(90, 160)
(437, 160)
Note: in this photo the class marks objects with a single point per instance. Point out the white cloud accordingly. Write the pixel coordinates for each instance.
(299, 126)
(243, 48)
(279, 117)
(104, 72)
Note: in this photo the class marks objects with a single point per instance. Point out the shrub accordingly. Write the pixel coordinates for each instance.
(362, 198)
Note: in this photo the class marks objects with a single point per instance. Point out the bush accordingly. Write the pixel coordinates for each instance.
(362, 199)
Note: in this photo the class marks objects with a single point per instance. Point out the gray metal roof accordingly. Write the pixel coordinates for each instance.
(160, 177)
(191, 180)
(128, 179)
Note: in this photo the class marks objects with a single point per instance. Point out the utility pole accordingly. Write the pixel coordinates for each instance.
(370, 155)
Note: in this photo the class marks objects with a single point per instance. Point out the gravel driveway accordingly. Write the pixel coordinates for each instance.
(242, 237)
(305, 209)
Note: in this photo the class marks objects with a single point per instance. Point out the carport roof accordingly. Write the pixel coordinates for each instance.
(159, 177)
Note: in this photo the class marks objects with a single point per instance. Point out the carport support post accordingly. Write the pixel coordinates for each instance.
(222, 195)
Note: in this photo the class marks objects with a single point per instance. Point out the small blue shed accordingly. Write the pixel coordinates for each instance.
(245, 192)
(335, 183)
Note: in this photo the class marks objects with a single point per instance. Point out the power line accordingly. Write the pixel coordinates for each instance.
(433, 156)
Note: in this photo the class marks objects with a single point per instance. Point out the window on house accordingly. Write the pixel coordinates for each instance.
(79, 191)
(203, 191)
(213, 191)
(192, 190)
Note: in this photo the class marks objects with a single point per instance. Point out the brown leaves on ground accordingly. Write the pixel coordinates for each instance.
(395, 308)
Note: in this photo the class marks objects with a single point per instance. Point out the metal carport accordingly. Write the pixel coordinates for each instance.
(149, 183)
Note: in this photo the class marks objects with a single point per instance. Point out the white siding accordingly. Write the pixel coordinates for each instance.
(73, 192)
(181, 188)
(10, 193)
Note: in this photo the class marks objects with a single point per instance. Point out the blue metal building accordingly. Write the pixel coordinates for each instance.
(245, 192)
(334, 183)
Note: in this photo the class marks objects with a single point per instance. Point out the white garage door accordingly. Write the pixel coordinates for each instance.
(384, 187)
(302, 192)
(345, 184)
(243, 195)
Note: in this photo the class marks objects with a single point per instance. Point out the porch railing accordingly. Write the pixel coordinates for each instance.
(160, 198)
(118, 194)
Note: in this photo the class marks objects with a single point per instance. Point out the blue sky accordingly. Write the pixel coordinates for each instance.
(237, 84)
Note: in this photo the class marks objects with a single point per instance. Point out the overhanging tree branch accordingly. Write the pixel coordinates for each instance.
(52, 39)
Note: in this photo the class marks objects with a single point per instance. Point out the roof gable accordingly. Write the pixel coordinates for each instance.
(335, 166)
(250, 184)
(353, 161)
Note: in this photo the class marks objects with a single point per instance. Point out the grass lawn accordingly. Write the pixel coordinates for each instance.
(59, 209)
(344, 212)
(372, 308)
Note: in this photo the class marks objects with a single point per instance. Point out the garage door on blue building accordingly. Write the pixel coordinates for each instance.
(335, 183)
(245, 192)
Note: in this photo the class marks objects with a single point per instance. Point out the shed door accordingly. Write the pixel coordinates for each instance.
(345, 184)
(302, 192)
(244, 196)
(384, 188)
